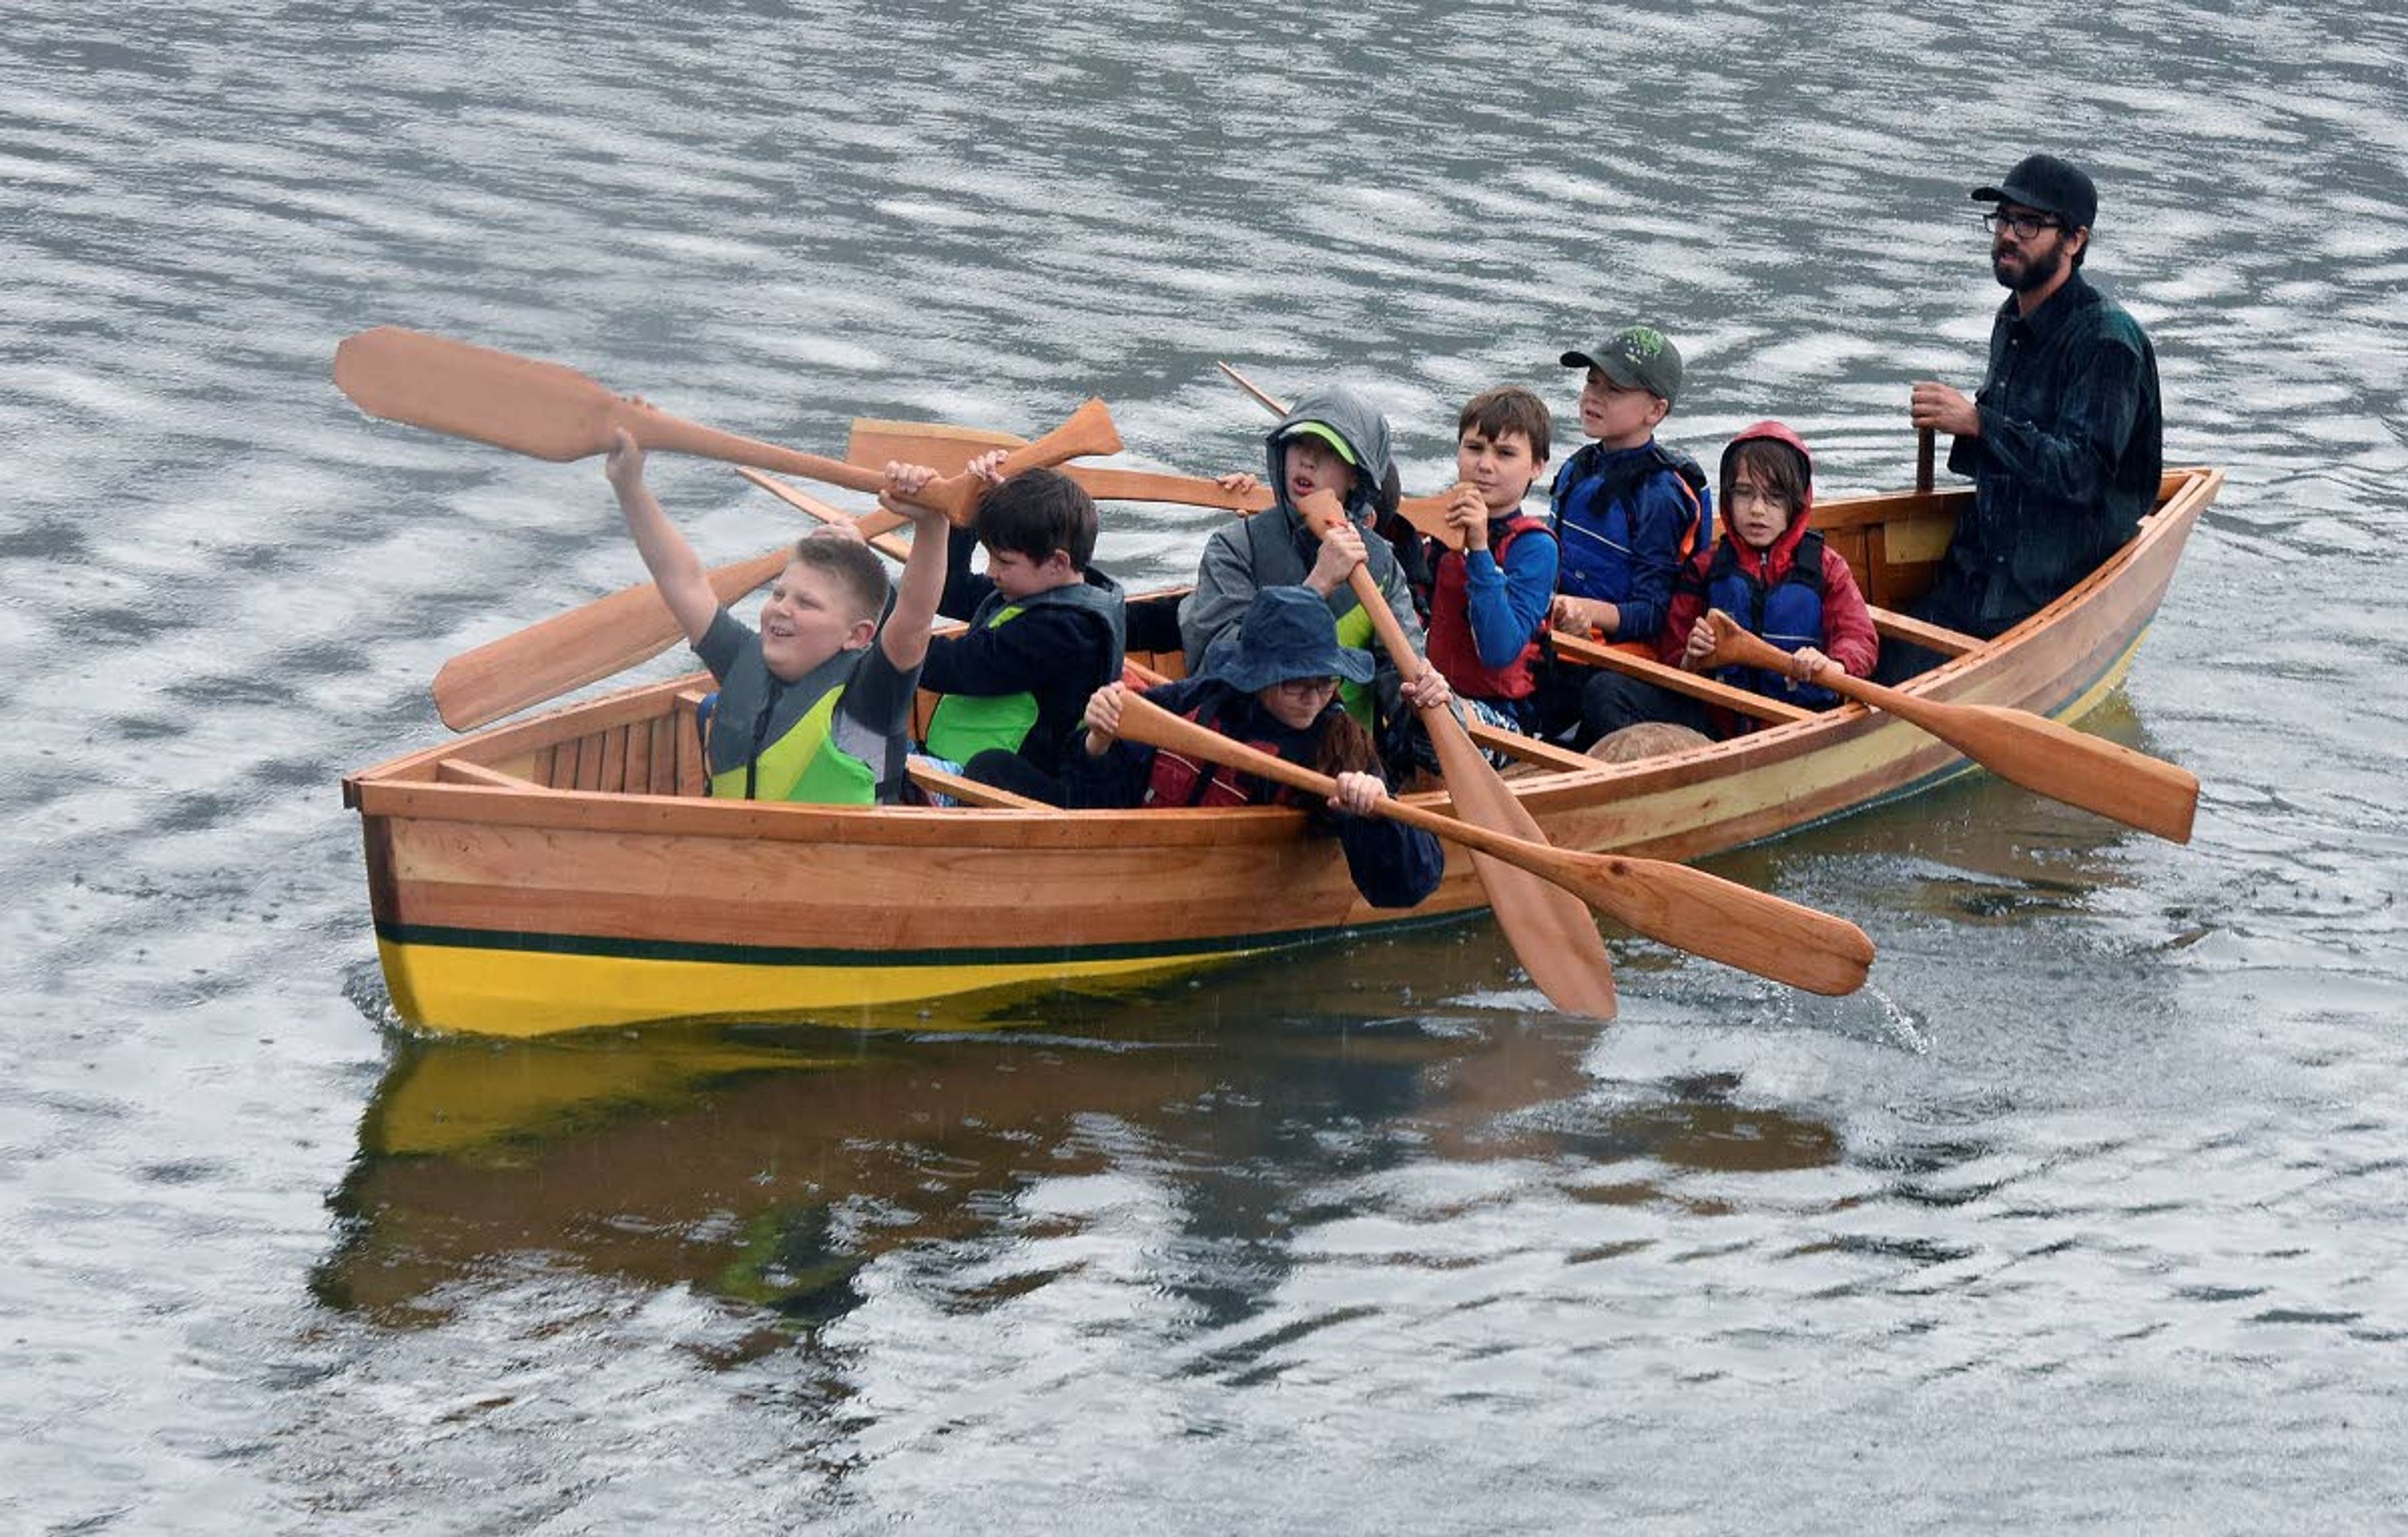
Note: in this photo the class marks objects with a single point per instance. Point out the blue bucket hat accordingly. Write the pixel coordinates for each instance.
(1287, 633)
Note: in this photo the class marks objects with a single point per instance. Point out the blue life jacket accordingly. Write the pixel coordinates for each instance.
(1593, 518)
(1788, 614)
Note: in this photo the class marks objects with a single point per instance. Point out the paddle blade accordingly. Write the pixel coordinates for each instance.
(947, 449)
(2054, 759)
(539, 409)
(1721, 920)
(2043, 756)
(570, 650)
(1550, 929)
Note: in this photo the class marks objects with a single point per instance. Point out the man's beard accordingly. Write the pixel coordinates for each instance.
(2033, 277)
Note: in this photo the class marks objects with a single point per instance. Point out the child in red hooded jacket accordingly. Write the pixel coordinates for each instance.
(1774, 575)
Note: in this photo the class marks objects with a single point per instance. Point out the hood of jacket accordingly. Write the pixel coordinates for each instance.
(1352, 418)
(1775, 562)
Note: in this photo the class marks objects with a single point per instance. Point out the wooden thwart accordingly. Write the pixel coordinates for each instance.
(1697, 685)
(1898, 626)
(460, 771)
(970, 792)
(1531, 750)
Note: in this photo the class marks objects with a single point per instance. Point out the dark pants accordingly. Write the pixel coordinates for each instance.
(1007, 771)
(1947, 607)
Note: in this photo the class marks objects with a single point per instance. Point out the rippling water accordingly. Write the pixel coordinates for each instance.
(2087, 1213)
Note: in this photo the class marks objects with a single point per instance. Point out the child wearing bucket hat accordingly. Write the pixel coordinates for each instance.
(1275, 688)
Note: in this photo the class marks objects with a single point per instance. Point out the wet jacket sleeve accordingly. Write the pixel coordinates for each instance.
(965, 589)
(1661, 518)
(2070, 457)
(1507, 605)
(1848, 635)
(1115, 780)
(1688, 606)
(1392, 865)
(1224, 585)
(1118, 777)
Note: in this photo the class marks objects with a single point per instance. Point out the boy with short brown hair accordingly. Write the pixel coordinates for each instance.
(816, 705)
(1489, 602)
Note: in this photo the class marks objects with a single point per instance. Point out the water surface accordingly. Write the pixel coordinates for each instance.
(2087, 1213)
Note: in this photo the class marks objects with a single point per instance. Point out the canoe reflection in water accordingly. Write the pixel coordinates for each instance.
(767, 1167)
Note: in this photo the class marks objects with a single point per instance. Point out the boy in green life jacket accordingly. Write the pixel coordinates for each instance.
(1045, 630)
(816, 706)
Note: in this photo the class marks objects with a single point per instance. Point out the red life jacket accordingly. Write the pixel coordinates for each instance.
(1177, 779)
(1451, 649)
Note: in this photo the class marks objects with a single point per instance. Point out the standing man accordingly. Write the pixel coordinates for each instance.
(2063, 439)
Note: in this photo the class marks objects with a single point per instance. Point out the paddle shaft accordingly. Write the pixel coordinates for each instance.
(2041, 755)
(803, 501)
(935, 443)
(1122, 485)
(1683, 907)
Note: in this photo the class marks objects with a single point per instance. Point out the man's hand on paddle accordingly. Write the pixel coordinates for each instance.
(1942, 409)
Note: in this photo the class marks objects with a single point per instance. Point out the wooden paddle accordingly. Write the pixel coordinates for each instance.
(1684, 908)
(554, 412)
(2034, 751)
(940, 445)
(1551, 931)
(573, 649)
(804, 502)
(1268, 401)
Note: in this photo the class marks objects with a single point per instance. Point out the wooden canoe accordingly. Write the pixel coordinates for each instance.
(565, 871)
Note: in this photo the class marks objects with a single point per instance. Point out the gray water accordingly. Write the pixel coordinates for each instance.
(2087, 1213)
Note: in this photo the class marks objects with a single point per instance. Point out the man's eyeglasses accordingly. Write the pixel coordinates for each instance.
(2024, 226)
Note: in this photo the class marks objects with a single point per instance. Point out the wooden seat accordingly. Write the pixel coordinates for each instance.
(970, 792)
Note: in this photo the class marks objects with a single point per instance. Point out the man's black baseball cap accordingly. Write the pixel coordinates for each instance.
(2048, 185)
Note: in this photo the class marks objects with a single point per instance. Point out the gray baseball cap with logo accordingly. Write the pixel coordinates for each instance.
(1636, 357)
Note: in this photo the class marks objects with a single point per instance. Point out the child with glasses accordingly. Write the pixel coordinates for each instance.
(1773, 574)
(1275, 689)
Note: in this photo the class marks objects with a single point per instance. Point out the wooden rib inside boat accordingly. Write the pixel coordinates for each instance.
(569, 871)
